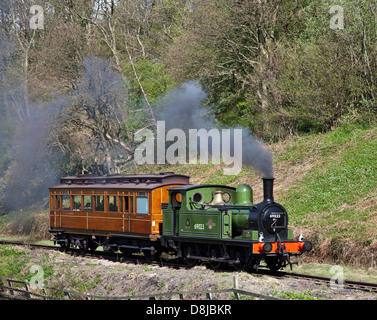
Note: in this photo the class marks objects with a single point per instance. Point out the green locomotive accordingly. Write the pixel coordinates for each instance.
(221, 225)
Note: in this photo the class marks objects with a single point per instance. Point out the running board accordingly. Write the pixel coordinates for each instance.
(134, 247)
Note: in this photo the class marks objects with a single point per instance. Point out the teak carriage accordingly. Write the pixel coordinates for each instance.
(111, 205)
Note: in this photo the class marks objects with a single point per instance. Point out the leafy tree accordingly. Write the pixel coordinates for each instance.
(232, 47)
(276, 66)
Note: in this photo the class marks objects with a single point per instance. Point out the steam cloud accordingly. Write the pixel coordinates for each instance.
(184, 108)
(26, 169)
(31, 169)
(33, 165)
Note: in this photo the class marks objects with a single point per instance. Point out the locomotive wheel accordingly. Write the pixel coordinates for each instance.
(158, 253)
(274, 264)
(242, 255)
(215, 252)
(190, 250)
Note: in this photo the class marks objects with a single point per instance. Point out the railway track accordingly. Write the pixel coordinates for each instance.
(333, 283)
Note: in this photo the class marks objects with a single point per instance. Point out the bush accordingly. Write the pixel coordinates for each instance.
(31, 224)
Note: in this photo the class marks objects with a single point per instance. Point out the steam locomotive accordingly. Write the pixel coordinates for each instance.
(163, 213)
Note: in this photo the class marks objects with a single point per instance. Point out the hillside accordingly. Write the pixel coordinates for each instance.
(327, 182)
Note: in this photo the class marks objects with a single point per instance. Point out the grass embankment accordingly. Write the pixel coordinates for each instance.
(327, 182)
(335, 197)
(29, 226)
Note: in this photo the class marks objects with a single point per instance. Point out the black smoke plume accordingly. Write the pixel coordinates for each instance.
(30, 163)
(183, 108)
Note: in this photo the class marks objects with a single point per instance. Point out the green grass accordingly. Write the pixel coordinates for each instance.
(333, 191)
(15, 264)
(231, 180)
(11, 262)
(328, 270)
(306, 295)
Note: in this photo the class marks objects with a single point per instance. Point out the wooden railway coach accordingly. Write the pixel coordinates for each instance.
(117, 211)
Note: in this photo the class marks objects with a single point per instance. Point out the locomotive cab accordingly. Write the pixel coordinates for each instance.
(193, 211)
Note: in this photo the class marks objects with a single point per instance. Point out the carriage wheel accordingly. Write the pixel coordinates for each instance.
(92, 245)
(82, 245)
(127, 253)
(148, 255)
(64, 246)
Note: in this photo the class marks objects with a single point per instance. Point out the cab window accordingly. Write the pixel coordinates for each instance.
(176, 200)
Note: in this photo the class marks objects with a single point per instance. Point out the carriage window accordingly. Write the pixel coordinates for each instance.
(66, 203)
(88, 206)
(121, 204)
(113, 203)
(131, 203)
(76, 200)
(99, 204)
(58, 202)
(52, 202)
(142, 204)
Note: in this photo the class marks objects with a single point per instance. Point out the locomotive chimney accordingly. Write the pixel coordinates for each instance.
(268, 189)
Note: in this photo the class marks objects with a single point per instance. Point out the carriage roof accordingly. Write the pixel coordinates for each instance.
(121, 181)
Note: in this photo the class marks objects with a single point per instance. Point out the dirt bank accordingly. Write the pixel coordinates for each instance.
(107, 278)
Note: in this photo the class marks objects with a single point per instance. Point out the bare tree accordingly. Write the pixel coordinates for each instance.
(134, 30)
(96, 114)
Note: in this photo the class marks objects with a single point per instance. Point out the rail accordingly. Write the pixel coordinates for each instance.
(347, 284)
(8, 290)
